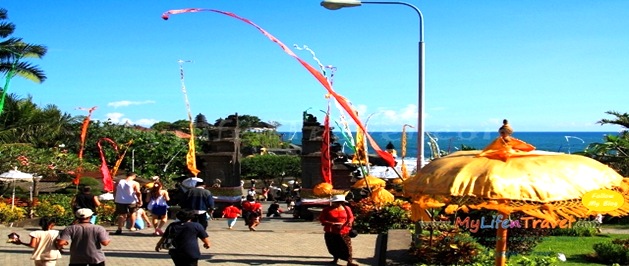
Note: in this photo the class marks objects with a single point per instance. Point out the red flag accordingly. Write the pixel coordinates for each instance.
(86, 123)
(340, 99)
(108, 183)
(326, 162)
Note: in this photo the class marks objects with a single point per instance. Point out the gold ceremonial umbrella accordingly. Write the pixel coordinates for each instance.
(545, 185)
(381, 196)
(322, 189)
(370, 181)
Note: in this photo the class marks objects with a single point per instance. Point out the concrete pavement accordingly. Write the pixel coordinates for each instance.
(278, 241)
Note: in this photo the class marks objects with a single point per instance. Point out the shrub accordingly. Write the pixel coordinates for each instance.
(370, 218)
(616, 251)
(270, 166)
(55, 205)
(106, 212)
(535, 261)
(519, 240)
(10, 214)
(450, 247)
(579, 228)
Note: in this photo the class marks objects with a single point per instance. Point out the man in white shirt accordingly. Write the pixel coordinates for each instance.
(128, 198)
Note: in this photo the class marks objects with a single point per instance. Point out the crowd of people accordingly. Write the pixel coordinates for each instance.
(86, 238)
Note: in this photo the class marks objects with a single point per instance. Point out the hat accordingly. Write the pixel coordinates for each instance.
(84, 213)
(338, 198)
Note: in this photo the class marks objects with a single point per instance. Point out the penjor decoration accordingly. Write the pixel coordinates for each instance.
(84, 126)
(320, 77)
(191, 160)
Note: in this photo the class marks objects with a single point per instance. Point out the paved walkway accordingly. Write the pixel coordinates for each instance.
(278, 241)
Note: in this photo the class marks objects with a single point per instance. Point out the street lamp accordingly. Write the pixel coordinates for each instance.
(338, 4)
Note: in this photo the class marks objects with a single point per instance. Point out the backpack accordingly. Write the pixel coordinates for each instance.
(169, 237)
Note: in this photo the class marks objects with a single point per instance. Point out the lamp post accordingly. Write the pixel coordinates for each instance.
(338, 4)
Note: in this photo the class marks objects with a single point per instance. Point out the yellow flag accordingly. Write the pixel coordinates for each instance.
(191, 158)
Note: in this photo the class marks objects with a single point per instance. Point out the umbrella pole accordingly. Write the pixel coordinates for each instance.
(13, 197)
(501, 244)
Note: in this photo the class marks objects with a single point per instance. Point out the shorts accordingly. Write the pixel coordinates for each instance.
(122, 208)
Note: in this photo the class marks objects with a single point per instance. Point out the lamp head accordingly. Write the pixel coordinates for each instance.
(338, 4)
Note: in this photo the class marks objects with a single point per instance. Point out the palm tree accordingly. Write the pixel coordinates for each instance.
(25, 122)
(614, 150)
(13, 49)
(621, 120)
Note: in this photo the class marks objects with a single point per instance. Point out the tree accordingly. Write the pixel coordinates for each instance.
(24, 122)
(13, 49)
(614, 150)
(200, 121)
(621, 120)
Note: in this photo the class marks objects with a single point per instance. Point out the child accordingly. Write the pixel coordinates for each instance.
(43, 242)
(231, 212)
(141, 221)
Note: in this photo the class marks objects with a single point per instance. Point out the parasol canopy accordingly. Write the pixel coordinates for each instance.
(381, 196)
(322, 189)
(369, 180)
(13, 176)
(541, 184)
(510, 176)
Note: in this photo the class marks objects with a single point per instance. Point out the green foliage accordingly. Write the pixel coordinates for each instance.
(371, 218)
(149, 154)
(615, 251)
(582, 228)
(266, 139)
(450, 247)
(10, 215)
(534, 261)
(613, 151)
(46, 162)
(519, 240)
(55, 205)
(270, 166)
(106, 212)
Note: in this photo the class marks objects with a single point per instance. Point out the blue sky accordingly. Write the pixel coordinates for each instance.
(544, 65)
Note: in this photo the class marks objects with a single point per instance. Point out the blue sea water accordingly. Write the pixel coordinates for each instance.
(567, 142)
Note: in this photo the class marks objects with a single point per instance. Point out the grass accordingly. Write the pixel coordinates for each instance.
(615, 226)
(576, 249)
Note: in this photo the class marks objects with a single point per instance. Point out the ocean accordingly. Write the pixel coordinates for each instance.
(567, 142)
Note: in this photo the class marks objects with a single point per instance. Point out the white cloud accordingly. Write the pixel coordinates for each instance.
(146, 122)
(118, 118)
(114, 117)
(128, 103)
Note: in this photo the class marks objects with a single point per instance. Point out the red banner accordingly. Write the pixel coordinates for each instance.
(108, 182)
(326, 162)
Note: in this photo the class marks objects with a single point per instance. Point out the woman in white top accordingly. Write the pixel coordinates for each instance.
(45, 252)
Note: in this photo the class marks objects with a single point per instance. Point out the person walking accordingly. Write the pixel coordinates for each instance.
(127, 197)
(231, 212)
(85, 199)
(252, 212)
(337, 220)
(184, 249)
(87, 240)
(158, 205)
(45, 252)
(199, 200)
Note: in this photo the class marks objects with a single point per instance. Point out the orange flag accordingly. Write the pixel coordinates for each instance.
(86, 123)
